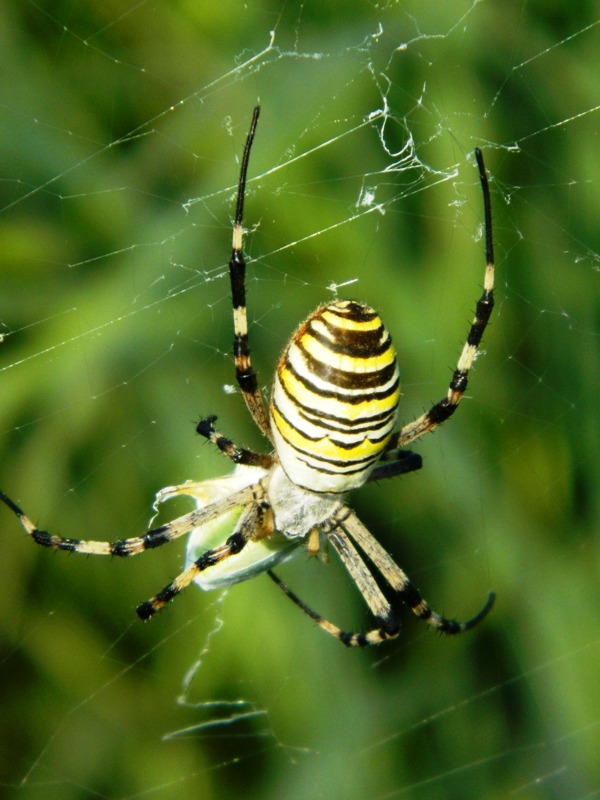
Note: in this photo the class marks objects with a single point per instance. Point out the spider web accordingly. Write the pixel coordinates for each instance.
(122, 126)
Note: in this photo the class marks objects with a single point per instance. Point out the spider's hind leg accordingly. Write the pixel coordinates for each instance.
(387, 626)
(387, 630)
(403, 587)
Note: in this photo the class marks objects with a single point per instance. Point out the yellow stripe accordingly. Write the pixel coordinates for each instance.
(332, 405)
(324, 447)
(346, 363)
(347, 323)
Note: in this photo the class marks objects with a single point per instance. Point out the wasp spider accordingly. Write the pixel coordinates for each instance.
(331, 427)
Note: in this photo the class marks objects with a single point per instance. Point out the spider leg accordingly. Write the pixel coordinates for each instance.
(396, 462)
(131, 547)
(388, 627)
(360, 575)
(246, 377)
(401, 584)
(237, 454)
(246, 529)
(350, 639)
(447, 406)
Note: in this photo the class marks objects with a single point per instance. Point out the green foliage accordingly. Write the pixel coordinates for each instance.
(115, 310)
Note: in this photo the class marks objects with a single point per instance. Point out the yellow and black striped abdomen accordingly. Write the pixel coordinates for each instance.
(335, 398)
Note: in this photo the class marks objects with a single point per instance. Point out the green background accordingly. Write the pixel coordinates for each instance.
(115, 310)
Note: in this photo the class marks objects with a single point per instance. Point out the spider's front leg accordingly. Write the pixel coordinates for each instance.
(155, 537)
(444, 409)
(244, 372)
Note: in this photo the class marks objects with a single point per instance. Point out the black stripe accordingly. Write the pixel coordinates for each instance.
(328, 422)
(482, 316)
(441, 411)
(237, 270)
(358, 344)
(57, 542)
(247, 381)
(350, 399)
(357, 466)
(327, 435)
(345, 379)
(314, 415)
(352, 310)
(240, 345)
(459, 381)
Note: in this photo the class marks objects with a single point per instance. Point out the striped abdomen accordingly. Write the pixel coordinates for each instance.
(335, 398)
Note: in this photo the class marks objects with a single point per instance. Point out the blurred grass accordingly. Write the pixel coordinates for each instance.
(116, 314)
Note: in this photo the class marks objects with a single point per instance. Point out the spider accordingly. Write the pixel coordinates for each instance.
(330, 425)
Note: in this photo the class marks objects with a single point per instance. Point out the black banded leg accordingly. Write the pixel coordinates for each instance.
(442, 410)
(401, 584)
(245, 530)
(237, 454)
(350, 639)
(378, 605)
(396, 462)
(155, 537)
(246, 377)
